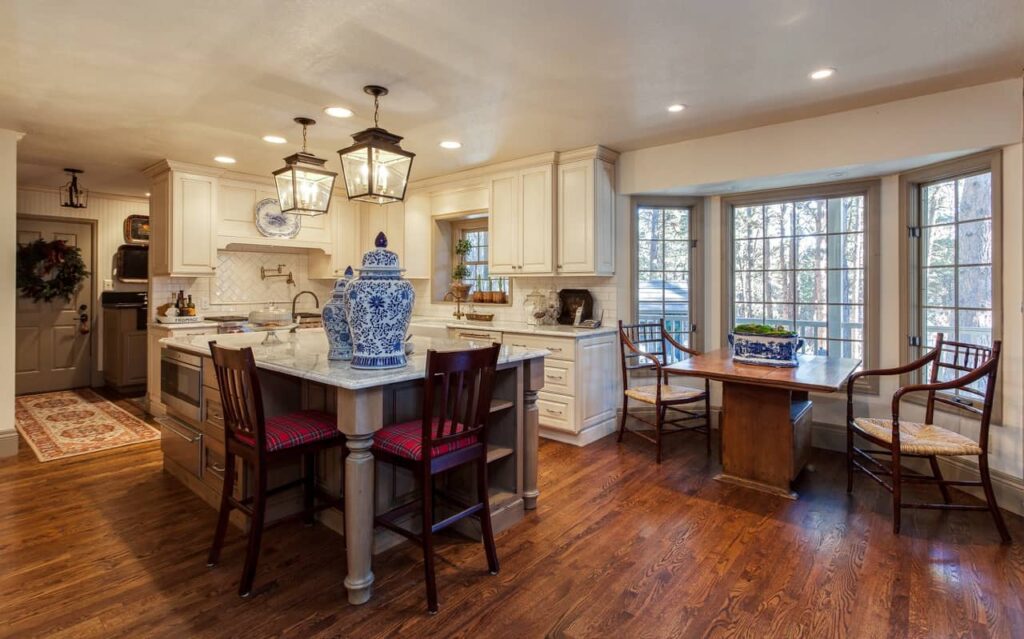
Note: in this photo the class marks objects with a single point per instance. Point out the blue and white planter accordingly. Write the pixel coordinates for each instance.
(379, 304)
(765, 350)
(335, 317)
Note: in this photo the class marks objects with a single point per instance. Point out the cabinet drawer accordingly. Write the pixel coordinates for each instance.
(214, 468)
(474, 335)
(213, 416)
(556, 411)
(560, 347)
(560, 377)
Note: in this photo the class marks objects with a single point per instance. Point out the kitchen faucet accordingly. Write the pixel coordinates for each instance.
(300, 294)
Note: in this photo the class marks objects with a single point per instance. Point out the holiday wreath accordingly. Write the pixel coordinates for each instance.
(47, 270)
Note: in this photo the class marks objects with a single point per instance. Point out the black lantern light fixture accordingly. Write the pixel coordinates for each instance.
(376, 169)
(73, 196)
(304, 186)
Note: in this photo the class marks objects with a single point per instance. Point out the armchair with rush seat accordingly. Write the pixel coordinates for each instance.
(645, 347)
(970, 364)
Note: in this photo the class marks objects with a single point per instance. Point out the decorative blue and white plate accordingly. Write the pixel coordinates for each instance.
(271, 222)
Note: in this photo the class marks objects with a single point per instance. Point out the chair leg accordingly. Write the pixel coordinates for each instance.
(622, 424)
(309, 487)
(427, 538)
(849, 459)
(990, 497)
(252, 553)
(937, 474)
(707, 418)
(225, 511)
(486, 529)
(659, 417)
(896, 486)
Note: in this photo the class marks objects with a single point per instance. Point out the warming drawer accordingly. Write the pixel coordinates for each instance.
(181, 444)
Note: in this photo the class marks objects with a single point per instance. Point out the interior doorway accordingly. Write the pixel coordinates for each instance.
(54, 348)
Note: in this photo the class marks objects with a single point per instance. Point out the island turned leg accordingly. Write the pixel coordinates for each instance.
(533, 381)
(360, 414)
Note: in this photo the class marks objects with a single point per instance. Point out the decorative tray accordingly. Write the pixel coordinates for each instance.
(179, 319)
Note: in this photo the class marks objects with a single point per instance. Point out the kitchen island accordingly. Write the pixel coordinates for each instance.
(297, 374)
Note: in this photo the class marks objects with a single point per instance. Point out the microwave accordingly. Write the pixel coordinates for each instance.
(131, 263)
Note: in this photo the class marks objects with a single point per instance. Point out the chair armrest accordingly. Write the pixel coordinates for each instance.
(655, 363)
(689, 351)
(959, 382)
(896, 370)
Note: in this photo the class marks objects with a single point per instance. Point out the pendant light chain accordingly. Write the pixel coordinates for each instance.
(376, 108)
(303, 138)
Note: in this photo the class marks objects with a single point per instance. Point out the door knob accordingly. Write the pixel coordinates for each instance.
(83, 320)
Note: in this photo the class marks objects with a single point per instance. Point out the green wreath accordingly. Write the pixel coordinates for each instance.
(48, 270)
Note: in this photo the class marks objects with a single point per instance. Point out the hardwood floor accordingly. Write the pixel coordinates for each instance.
(110, 546)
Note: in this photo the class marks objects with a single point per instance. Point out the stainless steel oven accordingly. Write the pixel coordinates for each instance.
(181, 385)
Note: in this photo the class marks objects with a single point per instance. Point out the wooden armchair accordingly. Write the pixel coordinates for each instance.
(970, 363)
(645, 346)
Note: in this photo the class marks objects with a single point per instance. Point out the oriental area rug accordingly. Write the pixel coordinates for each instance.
(75, 422)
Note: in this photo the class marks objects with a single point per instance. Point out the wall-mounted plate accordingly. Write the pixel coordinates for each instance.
(271, 222)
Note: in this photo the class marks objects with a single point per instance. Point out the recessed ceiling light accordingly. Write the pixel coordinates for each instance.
(224, 159)
(338, 112)
(451, 144)
(147, 193)
(274, 139)
(676, 108)
(821, 74)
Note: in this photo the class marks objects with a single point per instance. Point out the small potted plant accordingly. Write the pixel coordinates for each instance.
(460, 288)
(765, 345)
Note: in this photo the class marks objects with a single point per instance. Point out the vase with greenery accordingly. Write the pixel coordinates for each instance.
(765, 345)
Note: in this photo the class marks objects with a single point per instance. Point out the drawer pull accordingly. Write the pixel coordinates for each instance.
(554, 349)
(519, 345)
(555, 377)
(552, 411)
(474, 335)
(217, 468)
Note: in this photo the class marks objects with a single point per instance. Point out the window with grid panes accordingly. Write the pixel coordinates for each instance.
(663, 268)
(802, 264)
(951, 247)
(476, 260)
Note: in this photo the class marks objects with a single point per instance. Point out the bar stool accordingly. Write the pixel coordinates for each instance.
(452, 432)
(264, 443)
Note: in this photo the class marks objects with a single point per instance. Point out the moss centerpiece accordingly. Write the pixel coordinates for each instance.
(765, 345)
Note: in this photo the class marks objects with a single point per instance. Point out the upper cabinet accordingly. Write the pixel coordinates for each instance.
(183, 222)
(343, 222)
(236, 217)
(522, 221)
(586, 212)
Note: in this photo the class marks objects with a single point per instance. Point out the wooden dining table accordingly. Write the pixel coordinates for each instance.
(766, 414)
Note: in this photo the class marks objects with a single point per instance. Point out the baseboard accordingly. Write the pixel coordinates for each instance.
(582, 438)
(9, 443)
(1009, 490)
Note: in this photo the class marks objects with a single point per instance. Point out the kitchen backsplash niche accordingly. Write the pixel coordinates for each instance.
(237, 286)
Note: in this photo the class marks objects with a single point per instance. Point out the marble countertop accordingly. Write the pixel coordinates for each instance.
(557, 330)
(304, 354)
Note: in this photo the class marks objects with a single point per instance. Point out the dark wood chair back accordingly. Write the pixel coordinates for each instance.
(975, 368)
(640, 343)
(240, 395)
(457, 395)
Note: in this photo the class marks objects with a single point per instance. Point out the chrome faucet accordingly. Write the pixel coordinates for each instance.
(300, 294)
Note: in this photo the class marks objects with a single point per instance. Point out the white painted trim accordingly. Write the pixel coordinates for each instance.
(9, 443)
(1009, 490)
(582, 438)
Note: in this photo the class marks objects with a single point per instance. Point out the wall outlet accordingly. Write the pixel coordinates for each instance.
(108, 285)
(202, 302)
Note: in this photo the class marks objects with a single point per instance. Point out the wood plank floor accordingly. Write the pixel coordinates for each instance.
(110, 546)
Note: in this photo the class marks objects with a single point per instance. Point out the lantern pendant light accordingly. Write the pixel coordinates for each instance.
(71, 195)
(376, 168)
(304, 186)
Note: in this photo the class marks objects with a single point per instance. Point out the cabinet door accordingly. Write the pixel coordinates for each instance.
(576, 217)
(536, 196)
(344, 221)
(504, 229)
(419, 234)
(193, 225)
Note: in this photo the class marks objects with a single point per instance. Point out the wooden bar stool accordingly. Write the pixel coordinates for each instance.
(264, 443)
(452, 432)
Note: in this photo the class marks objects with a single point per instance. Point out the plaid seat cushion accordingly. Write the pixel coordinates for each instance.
(406, 440)
(295, 429)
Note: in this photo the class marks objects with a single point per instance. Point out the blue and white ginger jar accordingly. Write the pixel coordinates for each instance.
(335, 319)
(379, 309)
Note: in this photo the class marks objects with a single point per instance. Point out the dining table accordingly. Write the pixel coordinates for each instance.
(766, 413)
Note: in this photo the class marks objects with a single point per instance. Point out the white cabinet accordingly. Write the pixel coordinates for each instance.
(343, 220)
(387, 218)
(236, 217)
(521, 221)
(183, 222)
(586, 213)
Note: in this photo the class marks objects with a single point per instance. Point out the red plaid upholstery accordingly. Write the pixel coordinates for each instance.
(296, 429)
(406, 440)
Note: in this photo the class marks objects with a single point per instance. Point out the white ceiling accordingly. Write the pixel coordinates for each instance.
(113, 86)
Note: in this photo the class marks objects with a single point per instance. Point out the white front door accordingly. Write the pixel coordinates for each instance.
(52, 352)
